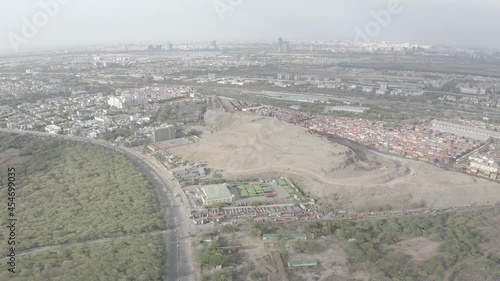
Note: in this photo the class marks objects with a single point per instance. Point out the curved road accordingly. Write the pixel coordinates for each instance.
(311, 174)
(177, 240)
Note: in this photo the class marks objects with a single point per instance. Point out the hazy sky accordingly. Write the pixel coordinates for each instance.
(450, 22)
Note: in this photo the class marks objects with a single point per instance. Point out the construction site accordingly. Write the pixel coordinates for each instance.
(253, 172)
(246, 146)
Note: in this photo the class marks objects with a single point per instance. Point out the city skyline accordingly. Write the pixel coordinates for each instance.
(73, 22)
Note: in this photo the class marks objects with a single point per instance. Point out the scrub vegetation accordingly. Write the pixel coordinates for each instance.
(377, 247)
(71, 196)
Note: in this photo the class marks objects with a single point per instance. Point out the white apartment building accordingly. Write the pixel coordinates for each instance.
(127, 101)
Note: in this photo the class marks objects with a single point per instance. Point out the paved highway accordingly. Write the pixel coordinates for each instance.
(177, 240)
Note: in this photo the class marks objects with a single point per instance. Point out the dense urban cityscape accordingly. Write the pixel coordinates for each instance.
(278, 159)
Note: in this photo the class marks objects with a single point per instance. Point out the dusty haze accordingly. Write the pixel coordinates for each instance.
(450, 22)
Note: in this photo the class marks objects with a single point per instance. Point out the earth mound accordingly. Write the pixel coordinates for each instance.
(242, 142)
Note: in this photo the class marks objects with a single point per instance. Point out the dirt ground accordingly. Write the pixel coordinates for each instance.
(244, 142)
(419, 249)
(332, 262)
(250, 145)
(332, 256)
(258, 252)
(10, 158)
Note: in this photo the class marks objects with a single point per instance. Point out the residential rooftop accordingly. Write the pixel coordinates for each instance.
(304, 262)
(286, 236)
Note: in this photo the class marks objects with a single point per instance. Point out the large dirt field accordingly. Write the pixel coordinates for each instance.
(250, 145)
(243, 142)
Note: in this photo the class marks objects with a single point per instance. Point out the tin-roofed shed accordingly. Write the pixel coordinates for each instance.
(304, 262)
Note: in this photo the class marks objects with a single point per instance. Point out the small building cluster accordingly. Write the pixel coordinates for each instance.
(484, 163)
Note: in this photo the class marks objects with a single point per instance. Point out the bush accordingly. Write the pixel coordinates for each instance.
(372, 237)
(211, 255)
(227, 228)
(258, 276)
(73, 192)
(308, 247)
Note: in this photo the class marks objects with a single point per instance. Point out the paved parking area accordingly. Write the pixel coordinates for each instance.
(236, 214)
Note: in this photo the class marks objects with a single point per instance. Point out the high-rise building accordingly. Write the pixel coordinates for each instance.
(286, 47)
(170, 47)
(163, 133)
(280, 44)
(157, 48)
